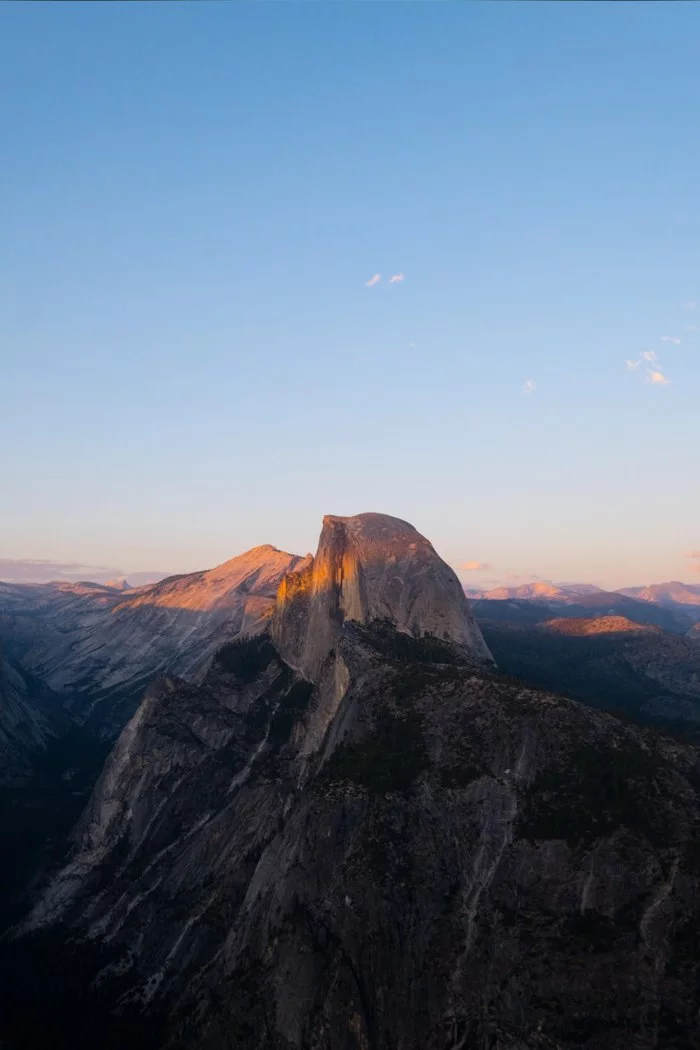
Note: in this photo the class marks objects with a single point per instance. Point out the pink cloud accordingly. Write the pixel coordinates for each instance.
(397, 278)
(657, 379)
(475, 566)
(374, 280)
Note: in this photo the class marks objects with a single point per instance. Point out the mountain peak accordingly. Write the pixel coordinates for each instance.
(370, 567)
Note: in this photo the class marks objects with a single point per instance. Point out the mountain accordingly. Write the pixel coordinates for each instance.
(587, 606)
(353, 833)
(674, 592)
(611, 662)
(681, 597)
(542, 590)
(370, 567)
(97, 647)
(680, 600)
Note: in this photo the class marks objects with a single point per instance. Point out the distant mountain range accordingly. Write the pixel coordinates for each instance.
(29, 570)
(538, 589)
(680, 600)
(673, 593)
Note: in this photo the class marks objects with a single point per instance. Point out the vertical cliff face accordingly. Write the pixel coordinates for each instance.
(24, 727)
(370, 567)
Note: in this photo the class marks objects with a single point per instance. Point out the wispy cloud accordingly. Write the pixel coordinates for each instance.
(693, 554)
(670, 339)
(397, 278)
(475, 566)
(690, 304)
(632, 366)
(374, 280)
(649, 355)
(692, 328)
(529, 386)
(657, 378)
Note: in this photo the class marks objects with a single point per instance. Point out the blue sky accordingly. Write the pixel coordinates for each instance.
(193, 197)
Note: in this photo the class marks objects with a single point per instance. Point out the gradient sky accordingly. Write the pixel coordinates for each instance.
(192, 199)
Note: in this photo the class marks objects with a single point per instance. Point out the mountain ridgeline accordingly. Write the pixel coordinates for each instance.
(344, 828)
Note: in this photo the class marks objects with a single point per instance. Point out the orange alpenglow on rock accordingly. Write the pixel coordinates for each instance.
(370, 567)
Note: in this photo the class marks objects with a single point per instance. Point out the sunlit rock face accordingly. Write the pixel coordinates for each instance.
(370, 567)
(94, 645)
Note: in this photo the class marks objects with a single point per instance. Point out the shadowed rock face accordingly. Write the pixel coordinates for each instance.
(609, 661)
(370, 567)
(24, 726)
(462, 862)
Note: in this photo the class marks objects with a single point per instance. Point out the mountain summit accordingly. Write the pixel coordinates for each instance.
(370, 567)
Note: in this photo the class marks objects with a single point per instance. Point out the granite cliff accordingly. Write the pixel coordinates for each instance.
(25, 723)
(413, 853)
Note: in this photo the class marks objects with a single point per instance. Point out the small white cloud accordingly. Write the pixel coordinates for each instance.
(632, 366)
(411, 346)
(374, 280)
(690, 304)
(397, 278)
(657, 378)
(670, 339)
(529, 386)
(649, 355)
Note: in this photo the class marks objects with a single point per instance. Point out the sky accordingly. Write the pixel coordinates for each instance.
(196, 357)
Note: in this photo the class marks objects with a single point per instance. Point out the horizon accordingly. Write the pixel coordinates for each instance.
(259, 262)
(77, 572)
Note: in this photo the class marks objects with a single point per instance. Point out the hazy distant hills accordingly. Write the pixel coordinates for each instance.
(33, 571)
(673, 606)
(539, 589)
(523, 611)
(673, 593)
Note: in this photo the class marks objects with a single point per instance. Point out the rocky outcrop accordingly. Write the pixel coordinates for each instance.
(370, 567)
